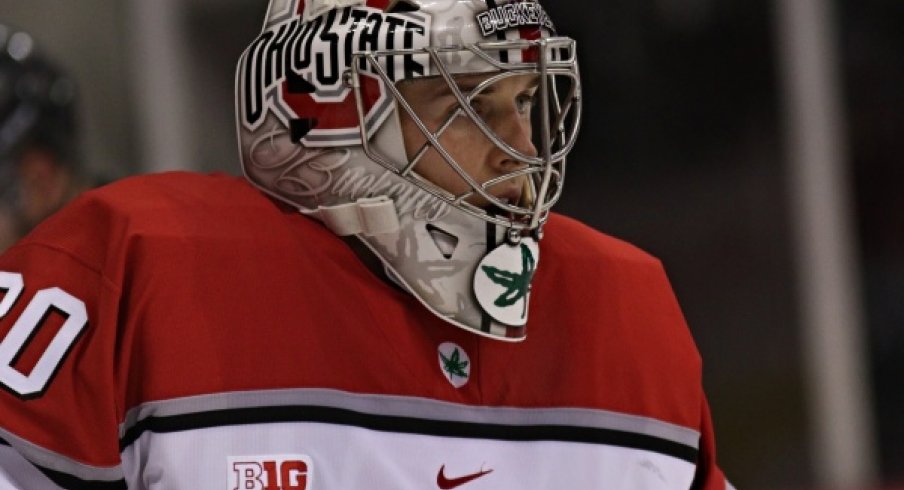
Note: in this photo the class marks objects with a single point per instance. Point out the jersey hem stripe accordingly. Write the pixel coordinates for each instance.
(408, 425)
(416, 408)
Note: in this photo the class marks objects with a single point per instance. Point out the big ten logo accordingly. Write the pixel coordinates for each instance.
(273, 472)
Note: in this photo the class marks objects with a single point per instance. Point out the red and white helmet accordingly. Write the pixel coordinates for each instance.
(318, 119)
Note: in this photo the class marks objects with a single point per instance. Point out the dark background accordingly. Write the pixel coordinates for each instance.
(682, 153)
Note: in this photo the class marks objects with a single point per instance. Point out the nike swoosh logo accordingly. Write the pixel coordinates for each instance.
(448, 483)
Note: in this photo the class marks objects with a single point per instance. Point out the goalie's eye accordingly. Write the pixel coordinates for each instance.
(525, 102)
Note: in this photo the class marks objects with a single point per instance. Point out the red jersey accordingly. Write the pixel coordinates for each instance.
(181, 331)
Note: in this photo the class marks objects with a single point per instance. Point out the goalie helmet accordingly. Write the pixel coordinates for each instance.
(326, 123)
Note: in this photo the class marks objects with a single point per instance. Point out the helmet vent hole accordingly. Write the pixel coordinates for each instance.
(445, 241)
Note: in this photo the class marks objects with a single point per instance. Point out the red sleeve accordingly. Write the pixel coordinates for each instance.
(709, 476)
(58, 407)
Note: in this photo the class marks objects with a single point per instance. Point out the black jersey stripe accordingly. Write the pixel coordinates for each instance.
(407, 425)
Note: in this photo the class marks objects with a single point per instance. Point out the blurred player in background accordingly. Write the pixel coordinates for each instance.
(39, 168)
(354, 313)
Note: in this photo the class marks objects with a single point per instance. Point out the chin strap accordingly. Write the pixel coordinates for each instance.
(369, 216)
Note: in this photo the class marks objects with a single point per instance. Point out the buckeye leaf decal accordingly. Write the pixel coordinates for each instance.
(454, 365)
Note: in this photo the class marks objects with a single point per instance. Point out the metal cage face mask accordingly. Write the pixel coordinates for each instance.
(554, 112)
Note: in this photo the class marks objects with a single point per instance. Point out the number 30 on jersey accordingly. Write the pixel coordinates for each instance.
(26, 326)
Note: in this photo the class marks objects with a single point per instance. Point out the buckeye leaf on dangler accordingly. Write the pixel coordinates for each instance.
(516, 284)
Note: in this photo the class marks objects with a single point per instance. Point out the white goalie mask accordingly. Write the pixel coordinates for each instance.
(327, 122)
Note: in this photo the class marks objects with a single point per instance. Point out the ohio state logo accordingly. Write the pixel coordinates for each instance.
(272, 472)
(294, 70)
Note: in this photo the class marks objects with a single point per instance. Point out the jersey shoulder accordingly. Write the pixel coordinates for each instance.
(575, 242)
(187, 194)
(146, 198)
(171, 207)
